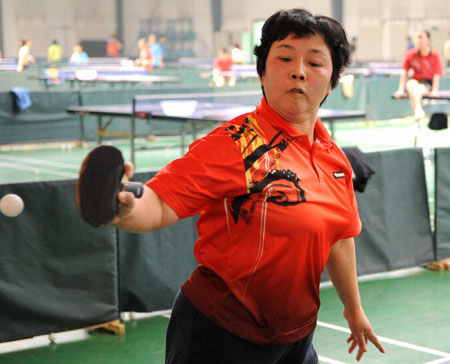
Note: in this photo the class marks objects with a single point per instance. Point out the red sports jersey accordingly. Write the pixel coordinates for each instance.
(424, 67)
(223, 64)
(271, 206)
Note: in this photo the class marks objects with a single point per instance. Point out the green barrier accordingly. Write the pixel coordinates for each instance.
(45, 120)
(57, 273)
(394, 211)
(337, 100)
(155, 264)
(442, 213)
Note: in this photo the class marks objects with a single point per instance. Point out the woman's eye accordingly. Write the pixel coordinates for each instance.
(314, 64)
(285, 59)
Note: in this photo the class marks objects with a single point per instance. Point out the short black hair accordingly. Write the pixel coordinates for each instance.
(426, 31)
(301, 23)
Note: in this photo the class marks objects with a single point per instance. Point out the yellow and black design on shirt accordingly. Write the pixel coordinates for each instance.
(262, 169)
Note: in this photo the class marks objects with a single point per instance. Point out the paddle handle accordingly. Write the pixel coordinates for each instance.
(134, 187)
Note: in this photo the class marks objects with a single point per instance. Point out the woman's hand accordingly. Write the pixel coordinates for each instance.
(398, 94)
(126, 199)
(361, 333)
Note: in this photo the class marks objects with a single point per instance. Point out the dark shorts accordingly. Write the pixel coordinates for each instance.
(427, 83)
(194, 339)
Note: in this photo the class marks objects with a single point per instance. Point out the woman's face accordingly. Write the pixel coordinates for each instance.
(297, 77)
(421, 40)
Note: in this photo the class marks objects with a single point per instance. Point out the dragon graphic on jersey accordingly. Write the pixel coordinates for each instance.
(263, 172)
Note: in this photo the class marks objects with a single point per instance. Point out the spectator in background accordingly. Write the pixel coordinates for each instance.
(427, 67)
(145, 58)
(1, 54)
(447, 50)
(24, 56)
(409, 43)
(237, 54)
(156, 50)
(223, 69)
(114, 47)
(79, 56)
(54, 52)
(162, 42)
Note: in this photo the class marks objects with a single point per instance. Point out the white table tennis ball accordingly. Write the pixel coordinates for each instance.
(11, 205)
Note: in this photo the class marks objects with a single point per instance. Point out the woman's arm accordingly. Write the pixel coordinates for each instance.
(435, 84)
(341, 267)
(147, 213)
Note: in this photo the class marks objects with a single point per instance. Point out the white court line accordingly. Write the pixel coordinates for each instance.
(399, 273)
(422, 349)
(323, 359)
(143, 315)
(44, 170)
(39, 161)
(439, 361)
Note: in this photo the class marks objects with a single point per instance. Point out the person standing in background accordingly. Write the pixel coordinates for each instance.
(79, 56)
(114, 47)
(145, 58)
(409, 43)
(156, 50)
(54, 52)
(447, 50)
(237, 54)
(24, 56)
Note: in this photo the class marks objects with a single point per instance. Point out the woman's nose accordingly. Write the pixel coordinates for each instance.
(299, 76)
(298, 73)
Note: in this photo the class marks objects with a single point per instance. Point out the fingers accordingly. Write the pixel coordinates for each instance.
(126, 205)
(129, 169)
(361, 341)
(374, 340)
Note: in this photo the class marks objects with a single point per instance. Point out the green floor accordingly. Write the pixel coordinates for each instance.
(410, 313)
(32, 163)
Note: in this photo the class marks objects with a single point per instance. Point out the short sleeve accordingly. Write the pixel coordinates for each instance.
(212, 169)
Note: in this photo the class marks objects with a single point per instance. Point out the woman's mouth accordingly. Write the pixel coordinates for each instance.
(297, 91)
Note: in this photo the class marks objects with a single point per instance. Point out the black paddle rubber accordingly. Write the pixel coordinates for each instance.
(99, 182)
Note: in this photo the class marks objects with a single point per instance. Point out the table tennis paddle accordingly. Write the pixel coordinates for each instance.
(100, 180)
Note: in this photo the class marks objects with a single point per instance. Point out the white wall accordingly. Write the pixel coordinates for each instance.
(380, 25)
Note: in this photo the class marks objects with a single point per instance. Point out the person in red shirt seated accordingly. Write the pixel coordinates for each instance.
(427, 70)
(223, 69)
(276, 203)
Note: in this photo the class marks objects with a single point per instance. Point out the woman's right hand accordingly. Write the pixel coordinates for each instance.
(398, 94)
(126, 199)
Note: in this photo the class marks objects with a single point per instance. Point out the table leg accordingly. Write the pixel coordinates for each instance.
(132, 137)
(332, 131)
(99, 130)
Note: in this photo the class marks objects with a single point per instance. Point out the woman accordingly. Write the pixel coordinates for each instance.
(427, 67)
(24, 57)
(145, 58)
(276, 204)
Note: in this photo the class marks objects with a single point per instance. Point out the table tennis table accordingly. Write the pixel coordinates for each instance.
(211, 108)
(111, 79)
(443, 95)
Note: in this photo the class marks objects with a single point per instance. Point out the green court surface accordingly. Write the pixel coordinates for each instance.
(28, 163)
(409, 311)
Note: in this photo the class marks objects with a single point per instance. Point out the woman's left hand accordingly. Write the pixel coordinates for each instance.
(361, 333)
